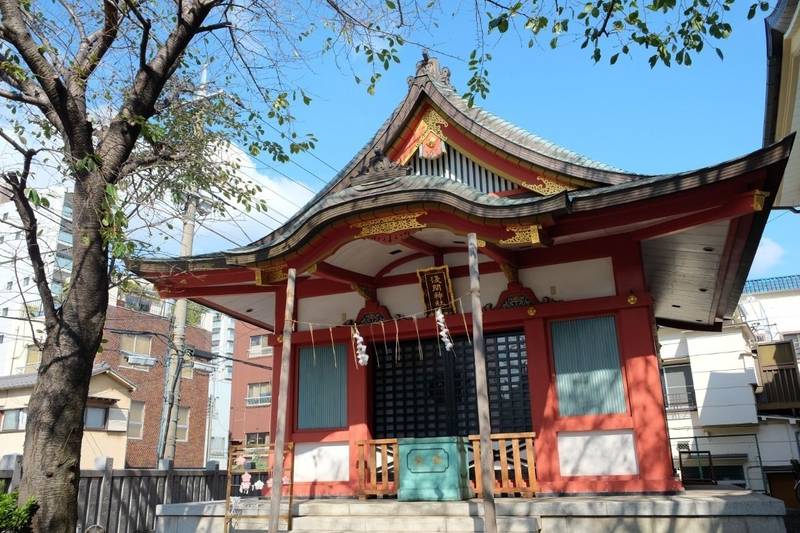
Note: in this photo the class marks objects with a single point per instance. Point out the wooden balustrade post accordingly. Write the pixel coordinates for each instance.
(283, 391)
(481, 387)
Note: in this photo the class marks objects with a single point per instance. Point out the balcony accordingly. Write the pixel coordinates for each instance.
(781, 388)
(779, 377)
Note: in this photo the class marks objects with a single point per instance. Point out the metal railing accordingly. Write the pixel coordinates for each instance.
(680, 401)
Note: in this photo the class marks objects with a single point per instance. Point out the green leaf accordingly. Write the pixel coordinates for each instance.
(614, 58)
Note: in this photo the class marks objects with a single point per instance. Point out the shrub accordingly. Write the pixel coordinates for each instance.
(13, 518)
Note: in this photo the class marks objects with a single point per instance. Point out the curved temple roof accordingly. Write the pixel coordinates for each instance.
(373, 185)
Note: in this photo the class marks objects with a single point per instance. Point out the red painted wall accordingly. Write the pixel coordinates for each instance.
(638, 361)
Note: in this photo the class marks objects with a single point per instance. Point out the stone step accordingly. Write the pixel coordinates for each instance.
(419, 524)
(513, 508)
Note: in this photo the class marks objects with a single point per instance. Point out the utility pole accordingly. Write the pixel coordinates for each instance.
(172, 398)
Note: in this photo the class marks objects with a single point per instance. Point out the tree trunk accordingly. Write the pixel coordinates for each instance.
(51, 462)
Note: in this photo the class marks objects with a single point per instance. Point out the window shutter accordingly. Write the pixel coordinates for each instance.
(322, 399)
(588, 375)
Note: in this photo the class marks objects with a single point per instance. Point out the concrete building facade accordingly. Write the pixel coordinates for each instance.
(732, 398)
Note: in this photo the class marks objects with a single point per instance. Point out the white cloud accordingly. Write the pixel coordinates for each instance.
(283, 197)
(768, 256)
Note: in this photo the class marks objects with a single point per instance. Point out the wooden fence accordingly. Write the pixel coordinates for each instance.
(124, 501)
(514, 465)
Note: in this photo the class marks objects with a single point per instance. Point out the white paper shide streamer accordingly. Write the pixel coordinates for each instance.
(361, 349)
(444, 333)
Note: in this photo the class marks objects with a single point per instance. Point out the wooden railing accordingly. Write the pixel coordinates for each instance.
(376, 467)
(514, 465)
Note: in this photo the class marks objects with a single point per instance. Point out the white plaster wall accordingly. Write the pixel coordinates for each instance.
(407, 299)
(329, 309)
(597, 453)
(491, 287)
(322, 462)
(723, 371)
(777, 440)
(412, 266)
(576, 280)
(783, 309)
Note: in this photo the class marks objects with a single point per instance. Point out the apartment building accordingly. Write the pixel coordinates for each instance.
(251, 387)
(733, 397)
(223, 333)
(19, 297)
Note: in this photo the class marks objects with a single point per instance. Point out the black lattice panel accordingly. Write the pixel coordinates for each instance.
(435, 396)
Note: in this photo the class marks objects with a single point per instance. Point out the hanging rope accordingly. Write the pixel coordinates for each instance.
(333, 347)
(313, 347)
(464, 318)
(396, 341)
(419, 341)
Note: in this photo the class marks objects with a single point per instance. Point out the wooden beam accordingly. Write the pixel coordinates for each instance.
(499, 255)
(283, 391)
(481, 390)
(743, 204)
(421, 246)
(334, 273)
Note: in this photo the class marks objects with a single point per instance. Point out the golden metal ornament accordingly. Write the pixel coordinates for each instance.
(546, 187)
(272, 274)
(632, 299)
(389, 224)
(531, 311)
(431, 123)
(759, 198)
(523, 235)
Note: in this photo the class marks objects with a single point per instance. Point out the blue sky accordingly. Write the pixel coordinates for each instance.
(628, 115)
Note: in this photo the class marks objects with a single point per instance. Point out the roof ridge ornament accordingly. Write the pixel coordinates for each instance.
(430, 67)
(380, 167)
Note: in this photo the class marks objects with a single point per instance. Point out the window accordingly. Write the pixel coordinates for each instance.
(5, 216)
(19, 235)
(259, 393)
(136, 344)
(259, 346)
(33, 358)
(9, 285)
(678, 387)
(5, 311)
(136, 420)
(2, 238)
(26, 281)
(322, 388)
(65, 236)
(95, 417)
(13, 420)
(183, 424)
(256, 439)
(2, 338)
(588, 375)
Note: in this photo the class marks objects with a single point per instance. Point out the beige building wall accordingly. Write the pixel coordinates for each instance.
(97, 444)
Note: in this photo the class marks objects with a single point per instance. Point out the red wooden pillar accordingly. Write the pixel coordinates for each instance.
(645, 398)
(543, 402)
(357, 410)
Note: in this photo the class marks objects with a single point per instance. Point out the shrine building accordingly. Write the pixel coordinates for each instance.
(579, 262)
